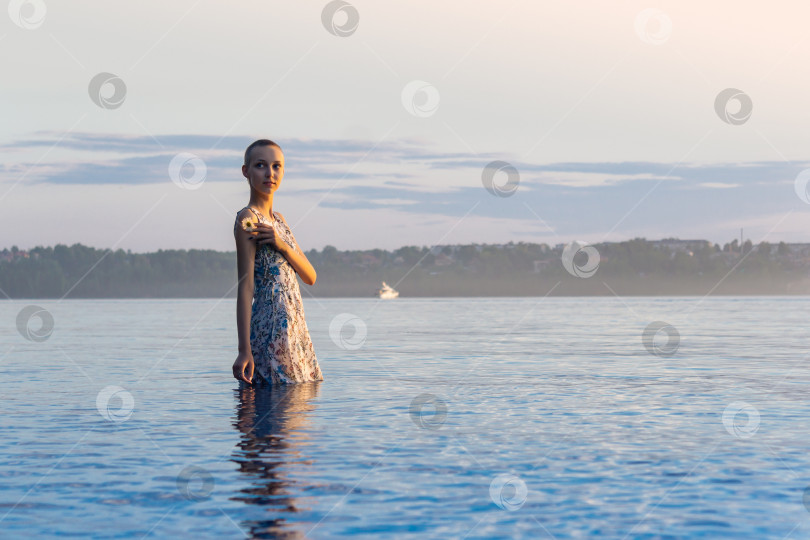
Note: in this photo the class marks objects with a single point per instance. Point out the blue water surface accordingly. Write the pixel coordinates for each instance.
(438, 418)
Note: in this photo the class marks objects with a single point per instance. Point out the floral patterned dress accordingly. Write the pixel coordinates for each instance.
(279, 338)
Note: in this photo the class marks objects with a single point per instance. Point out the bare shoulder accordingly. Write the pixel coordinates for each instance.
(245, 212)
(238, 228)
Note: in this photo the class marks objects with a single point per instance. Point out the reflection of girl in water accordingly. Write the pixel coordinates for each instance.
(266, 414)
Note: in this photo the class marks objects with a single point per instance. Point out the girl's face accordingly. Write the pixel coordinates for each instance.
(266, 169)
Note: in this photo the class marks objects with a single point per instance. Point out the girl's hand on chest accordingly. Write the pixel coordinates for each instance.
(266, 234)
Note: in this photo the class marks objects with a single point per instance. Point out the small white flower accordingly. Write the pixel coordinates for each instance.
(249, 224)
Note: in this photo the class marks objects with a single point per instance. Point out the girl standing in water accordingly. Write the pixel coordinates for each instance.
(273, 336)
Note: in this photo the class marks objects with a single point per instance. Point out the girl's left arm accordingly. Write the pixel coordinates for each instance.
(297, 259)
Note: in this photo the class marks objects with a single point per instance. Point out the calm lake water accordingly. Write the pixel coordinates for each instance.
(438, 418)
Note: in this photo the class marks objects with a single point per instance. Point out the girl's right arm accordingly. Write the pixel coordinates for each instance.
(245, 257)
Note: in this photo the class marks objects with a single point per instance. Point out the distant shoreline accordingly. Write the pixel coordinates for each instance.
(638, 268)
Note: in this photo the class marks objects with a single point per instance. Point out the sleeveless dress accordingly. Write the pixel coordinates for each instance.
(279, 338)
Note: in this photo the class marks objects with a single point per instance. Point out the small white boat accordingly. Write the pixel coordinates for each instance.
(387, 291)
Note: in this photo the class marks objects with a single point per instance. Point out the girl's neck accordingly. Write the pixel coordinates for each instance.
(265, 204)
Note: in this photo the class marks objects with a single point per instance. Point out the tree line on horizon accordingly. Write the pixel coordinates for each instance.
(80, 271)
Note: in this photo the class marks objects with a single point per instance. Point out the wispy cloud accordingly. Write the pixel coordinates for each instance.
(408, 175)
(717, 185)
(128, 159)
(330, 158)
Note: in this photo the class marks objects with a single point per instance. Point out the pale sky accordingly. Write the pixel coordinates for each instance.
(608, 112)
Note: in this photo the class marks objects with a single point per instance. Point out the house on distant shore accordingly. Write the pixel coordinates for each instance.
(367, 259)
(8, 255)
(798, 249)
(683, 246)
(540, 266)
(443, 260)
